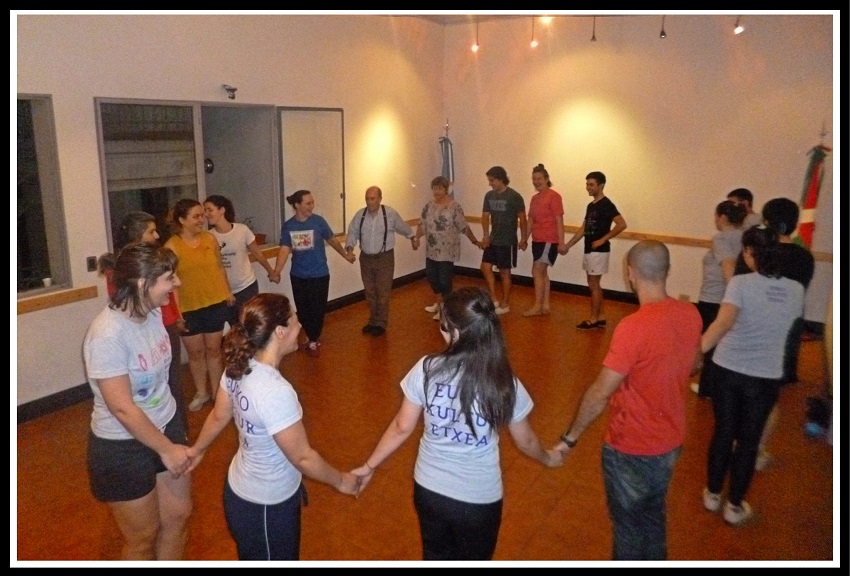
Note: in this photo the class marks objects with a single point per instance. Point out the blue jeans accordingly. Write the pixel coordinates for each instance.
(636, 489)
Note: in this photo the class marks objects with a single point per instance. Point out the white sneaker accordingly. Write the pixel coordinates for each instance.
(737, 515)
(710, 500)
(694, 387)
(500, 311)
(198, 402)
(435, 307)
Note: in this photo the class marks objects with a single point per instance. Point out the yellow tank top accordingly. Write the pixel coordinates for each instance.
(202, 277)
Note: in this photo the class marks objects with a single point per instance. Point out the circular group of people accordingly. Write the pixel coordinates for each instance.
(139, 457)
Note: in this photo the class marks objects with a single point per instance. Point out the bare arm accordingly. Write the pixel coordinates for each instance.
(528, 443)
(334, 243)
(399, 430)
(523, 230)
(619, 226)
(592, 404)
(231, 299)
(255, 251)
(282, 257)
(576, 237)
(293, 442)
(218, 418)
(119, 400)
(726, 317)
(727, 267)
(485, 230)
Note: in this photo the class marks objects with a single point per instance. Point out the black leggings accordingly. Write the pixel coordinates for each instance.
(311, 301)
(456, 530)
(741, 406)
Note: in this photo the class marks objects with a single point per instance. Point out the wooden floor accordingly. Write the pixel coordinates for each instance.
(352, 391)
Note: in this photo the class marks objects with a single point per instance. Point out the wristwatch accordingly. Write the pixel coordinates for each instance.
(570, 443)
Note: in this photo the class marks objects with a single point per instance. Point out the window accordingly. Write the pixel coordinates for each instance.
(149, 160)
(41, 242)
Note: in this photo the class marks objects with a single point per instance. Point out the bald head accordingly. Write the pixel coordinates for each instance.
(650, 260)
(373, 198)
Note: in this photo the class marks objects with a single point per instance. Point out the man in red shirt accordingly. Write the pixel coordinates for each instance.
(653, 352)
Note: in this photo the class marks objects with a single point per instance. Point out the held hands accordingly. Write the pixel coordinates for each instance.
(364, 473)
(195, 456)
(415, 242)
(555, 458)
(274, 277)
(523, 245)
(350, 257)
(563, 249)
(349, 484)
(176, 459)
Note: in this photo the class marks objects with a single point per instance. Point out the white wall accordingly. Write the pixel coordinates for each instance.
(386, 73)
(674, 124)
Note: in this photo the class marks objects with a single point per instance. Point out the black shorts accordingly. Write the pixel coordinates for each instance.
(207, 320)
(544, 252)
(124, 470)
(503, 257)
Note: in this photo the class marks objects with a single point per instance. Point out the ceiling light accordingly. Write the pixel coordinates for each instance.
(475, 46)
(546, 20)
(663, 34)
(738, 26)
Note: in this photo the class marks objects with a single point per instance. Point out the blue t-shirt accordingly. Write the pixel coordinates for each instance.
(307, 241)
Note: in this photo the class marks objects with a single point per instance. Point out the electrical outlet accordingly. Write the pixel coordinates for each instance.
(91, 263)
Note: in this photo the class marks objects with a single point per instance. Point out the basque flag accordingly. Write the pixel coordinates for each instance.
(811, 189)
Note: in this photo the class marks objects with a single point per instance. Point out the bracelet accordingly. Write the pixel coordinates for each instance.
(570, 443)
(366, 464)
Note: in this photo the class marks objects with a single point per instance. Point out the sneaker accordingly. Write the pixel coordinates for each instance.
(694, 386)
(737, 515)
(587, 324)
(436, 315)
(710, 500)
(198, 402)
(502, 310)
(435, 307)
(378, 330)
(763, 459)
(313, 349)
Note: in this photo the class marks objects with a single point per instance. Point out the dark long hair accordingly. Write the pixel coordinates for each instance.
(139, 261)
(763, 243)
(132, 229)
(181, 210)
(220, 201)
(259, 317)
(477, 357)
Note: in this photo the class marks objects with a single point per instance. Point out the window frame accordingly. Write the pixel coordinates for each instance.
(50, 188)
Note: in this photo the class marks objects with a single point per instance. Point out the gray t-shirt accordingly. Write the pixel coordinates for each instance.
(264, 403)
(452, 461)
(114, 345)
(755, 345)
(725, 245)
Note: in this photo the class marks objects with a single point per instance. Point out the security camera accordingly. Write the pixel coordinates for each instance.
(231, 91)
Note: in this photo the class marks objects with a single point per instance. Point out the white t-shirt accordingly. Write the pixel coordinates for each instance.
(452, 461)
(235, 256)
(113, 346)
(264, 403)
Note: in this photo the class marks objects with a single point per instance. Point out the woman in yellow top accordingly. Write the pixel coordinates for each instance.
(204, 296)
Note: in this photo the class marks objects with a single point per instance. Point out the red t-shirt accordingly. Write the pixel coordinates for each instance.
(655, 348)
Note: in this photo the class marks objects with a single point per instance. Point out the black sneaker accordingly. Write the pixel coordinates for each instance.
(368, 329)
(378, 330)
